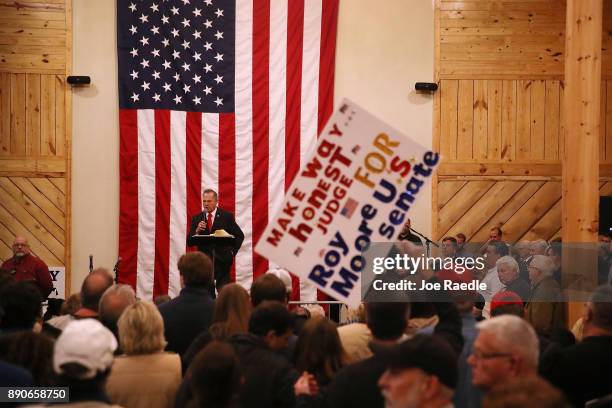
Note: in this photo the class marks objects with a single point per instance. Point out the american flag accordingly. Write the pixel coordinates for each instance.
(220, 94)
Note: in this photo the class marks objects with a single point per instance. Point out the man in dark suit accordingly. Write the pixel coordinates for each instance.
(207, 222)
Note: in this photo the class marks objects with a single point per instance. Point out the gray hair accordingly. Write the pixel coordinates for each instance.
(507, 261)
(124, 293)
(522, 245)
(539, 244)
(514, 334)
(543, 263)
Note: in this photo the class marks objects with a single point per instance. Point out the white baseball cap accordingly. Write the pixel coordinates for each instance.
(284, 276)
(88, 343)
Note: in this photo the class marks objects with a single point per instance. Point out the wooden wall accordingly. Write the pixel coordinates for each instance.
(498, 120)
(35, 120)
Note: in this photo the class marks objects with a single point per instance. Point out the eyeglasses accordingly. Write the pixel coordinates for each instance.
(479, 355)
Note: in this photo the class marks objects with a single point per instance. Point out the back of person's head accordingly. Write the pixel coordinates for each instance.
(196, 270)
(71, 305)
(232, 310)
(319, 350)
(600, 308)
(21, 302)
(507, 303)
(284, 276)
(54, 308)
(432, 374)
(215, 375)
(6, 277)
(94, 286)
(525, 392)
(113, 302)
(141, 329)
(387, 320)
(270, 316)
(539, 247)
(83, 354)
(501, 248)
(543, 263)
(514, 335)
(32, 351)
(268, 287)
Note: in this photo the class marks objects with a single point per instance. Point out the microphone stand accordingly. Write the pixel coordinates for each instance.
(90, 263)
(116, 270)
(428, 241)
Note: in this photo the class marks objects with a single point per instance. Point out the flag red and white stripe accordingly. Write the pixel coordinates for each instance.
(284, 75)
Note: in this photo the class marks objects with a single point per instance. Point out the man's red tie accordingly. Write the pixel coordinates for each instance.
(209, 222)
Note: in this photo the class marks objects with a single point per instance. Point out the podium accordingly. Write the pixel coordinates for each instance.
(213, 243)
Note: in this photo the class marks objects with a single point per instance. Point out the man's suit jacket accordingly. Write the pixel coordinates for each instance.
(186, 316)
(223, 220)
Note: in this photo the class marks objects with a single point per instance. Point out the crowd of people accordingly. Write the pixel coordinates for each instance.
(508, 347)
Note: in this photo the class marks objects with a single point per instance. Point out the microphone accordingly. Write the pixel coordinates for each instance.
(90, 263)
(116, 269)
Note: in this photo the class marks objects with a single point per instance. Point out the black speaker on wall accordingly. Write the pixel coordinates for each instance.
(79, 80)
(426, 86)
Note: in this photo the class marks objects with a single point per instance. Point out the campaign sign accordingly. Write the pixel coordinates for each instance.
(358, 187)
(58, 277)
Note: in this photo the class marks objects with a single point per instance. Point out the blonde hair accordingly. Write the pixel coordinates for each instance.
(141, 329)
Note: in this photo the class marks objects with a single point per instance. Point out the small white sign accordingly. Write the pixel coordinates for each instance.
(58, 277)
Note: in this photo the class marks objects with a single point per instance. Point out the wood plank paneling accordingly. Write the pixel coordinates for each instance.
(547, 226)
(608, 143)
(507, 211)
(5, 113)
(35, 58)
(60, 116)
(505, 59)
(551, 117)
(27, 165)
(18, 114)
(480, 144)
(47, 125)
(32, 145)
(523, 118)
(9, 189)
(527, 36)
(494, 119)
(33, 37)
(448, 118)
(482, 211)
(447, 190)
(509, 120)
(463, 200)
(602, 121)
(465, 119)
(508, 137)
(538, 98)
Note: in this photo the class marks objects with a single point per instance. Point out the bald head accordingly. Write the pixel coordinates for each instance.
(20, 246)
(112, 304)
(94, 286)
